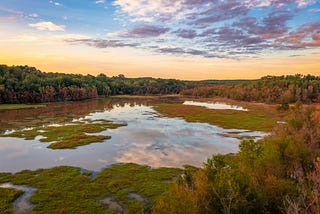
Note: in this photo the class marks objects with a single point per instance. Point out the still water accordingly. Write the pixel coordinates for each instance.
(149, 138)
(215, 105)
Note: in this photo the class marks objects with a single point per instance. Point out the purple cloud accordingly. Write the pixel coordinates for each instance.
(190, 52)
(307, 35)
(186, 34)
(102, 43)
(144, 31)
(273, 25)
(221, 11)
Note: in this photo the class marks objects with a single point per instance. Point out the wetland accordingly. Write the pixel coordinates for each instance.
(117, 154)
(128, 131)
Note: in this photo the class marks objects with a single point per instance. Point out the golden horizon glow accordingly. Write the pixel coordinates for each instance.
(178, 68)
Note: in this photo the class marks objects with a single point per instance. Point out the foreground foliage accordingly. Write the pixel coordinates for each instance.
(279, 174)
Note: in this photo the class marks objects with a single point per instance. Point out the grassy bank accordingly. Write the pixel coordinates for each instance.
(68, 190)
(259, 117)
(19, 106)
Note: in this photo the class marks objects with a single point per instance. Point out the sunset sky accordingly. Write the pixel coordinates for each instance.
(184, 39)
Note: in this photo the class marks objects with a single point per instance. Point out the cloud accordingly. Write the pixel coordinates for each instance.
(11, 11)
(100, 1)
(273, 25)
(55, 3)
(307, 35)
(47, 26)
(278, 3)
(102, 43)
(149, 11)
(314, 10)
(204, 11)
(144, 31)
(9, 15)
(36, 37)
(8, 19)
(221, 11)
(33, 15)
(178, 51)
(186, 33)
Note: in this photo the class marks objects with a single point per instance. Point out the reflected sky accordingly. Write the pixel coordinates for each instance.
(215, 105)
(149, 139)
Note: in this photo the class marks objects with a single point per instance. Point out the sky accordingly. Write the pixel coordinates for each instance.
(183, 39)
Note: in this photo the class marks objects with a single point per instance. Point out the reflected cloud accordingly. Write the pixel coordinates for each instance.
(216, 105)
(171, 155)
(59, 159)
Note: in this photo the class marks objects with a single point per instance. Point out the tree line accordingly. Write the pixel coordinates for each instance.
(24, 84)
(269, 89)
(278, 174)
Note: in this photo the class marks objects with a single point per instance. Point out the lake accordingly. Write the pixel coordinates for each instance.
(149, 138)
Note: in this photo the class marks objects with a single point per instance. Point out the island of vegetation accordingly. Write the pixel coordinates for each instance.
(68, 136)
(260, 117)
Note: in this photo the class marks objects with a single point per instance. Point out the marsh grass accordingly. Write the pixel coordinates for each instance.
(7, 197)
(65, 189)
(258, 118)
(19, 106)
(68, 136)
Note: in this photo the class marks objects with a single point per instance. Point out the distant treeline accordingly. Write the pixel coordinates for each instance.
(269, 89)
(24, 84)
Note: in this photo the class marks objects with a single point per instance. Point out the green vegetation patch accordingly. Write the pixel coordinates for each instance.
(7, 197)
(5, 177)
(67, 190)
(19, 106)
(68, 136)
(255, 119)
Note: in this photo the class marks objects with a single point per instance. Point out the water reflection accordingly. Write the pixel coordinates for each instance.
(148, 139)
(55, 113)
(215, 105)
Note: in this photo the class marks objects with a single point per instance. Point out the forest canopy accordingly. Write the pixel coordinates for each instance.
(24, 84)
(269, 89)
